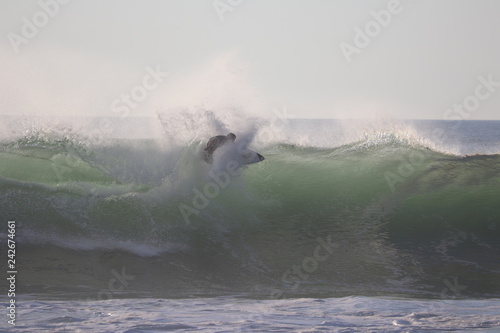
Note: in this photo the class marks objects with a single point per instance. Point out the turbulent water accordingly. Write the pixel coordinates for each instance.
(396, 211)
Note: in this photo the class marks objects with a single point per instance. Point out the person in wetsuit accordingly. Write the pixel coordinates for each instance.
(214, 143)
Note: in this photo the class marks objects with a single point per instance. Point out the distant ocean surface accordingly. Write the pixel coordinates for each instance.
(347, 226)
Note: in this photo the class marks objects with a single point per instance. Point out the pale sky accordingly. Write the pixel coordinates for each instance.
(316, 58)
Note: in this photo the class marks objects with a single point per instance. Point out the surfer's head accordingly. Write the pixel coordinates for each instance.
(231, 136)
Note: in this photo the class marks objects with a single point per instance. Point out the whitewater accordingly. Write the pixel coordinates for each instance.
(346, 226)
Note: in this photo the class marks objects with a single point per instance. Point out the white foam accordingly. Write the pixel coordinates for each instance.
(85, 244)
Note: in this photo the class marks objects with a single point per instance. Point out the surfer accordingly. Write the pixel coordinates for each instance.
(214, 143)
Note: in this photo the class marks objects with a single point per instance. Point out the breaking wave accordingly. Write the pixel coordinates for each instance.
(384, 213)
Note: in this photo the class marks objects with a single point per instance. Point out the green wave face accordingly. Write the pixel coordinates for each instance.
(395, 217)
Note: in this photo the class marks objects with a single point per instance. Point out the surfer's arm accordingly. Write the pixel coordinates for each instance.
(214, 143)
(210, 144)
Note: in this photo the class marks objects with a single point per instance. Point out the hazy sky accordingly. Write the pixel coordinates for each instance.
(437, 59)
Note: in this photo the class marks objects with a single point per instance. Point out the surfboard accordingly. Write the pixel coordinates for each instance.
(248, 156)
(251, 157)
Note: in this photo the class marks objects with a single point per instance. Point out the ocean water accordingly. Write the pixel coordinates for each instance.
(347, 226)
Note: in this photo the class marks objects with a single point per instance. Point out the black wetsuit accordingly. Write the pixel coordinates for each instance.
(214, 143)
